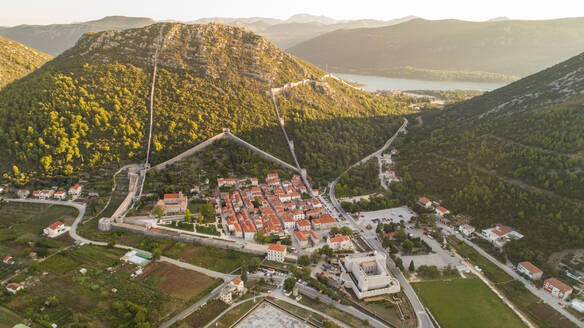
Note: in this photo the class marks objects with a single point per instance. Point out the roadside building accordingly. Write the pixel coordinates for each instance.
(22, 193)
(466, 229)
(55, 229)
(60, 195)
(229, 182)
(557, 288)
(368, 276)
(173, 203)
(324, 222)
(530, 270)
(235, 287)
(500, 234)
(277, 252)
(425, 202)
(75, 190)
(340, 242)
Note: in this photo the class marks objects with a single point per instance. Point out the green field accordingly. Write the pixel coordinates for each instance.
(467, 303)
(8, 318)
(213, 258)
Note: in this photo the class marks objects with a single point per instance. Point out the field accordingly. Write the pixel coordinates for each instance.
(465, 303)
(234, 314)
(216, 259)
(541, 314)
(204, 314)
(8, 318)
(389, 312)
(106, 296)
(21, 226)
(174, 281)
(333, 312)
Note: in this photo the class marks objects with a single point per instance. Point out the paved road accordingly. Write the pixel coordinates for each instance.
(424, 320)
(540, 293)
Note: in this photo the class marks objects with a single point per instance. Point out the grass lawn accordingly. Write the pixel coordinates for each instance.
(59, 264)
(204, 314)
(8, 318)
(213, 258)
(540, 313)
(466, 303)
(389, 312)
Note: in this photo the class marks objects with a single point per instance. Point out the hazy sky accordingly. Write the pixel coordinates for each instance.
(14, 12)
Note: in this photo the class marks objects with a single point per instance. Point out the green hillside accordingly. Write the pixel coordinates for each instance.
(86, 110)
(513, 156)
(448, 49)
(56, 38)
(17, 60)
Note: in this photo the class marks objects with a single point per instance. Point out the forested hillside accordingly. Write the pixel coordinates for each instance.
(514, 156)
(56, 38)
(88, 108)
(17, 60)
(448, 49)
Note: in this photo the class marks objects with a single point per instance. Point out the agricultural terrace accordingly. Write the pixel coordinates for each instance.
(106, 295)
(476, 305)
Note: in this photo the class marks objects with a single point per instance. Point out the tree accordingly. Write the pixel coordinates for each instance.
(260, 237)
(346, 231)
(244, 276)
(303, 260)
(254, 264)
(188, 215)
(156, 253)
(157, 211)
(326, 250)
(315, 257)
(408, 245)
(412, 267)
(289, 284)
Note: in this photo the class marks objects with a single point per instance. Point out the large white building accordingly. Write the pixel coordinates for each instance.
(340, 242)
(500, 234)
(367, 275)
(276, 252)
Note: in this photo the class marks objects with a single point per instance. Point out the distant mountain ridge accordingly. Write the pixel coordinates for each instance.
(56, 38)
(18, 60)
(508, 48)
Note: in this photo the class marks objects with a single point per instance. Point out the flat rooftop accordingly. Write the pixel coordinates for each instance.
(268, 316)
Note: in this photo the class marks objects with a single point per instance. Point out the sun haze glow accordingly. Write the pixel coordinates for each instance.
(67, 11)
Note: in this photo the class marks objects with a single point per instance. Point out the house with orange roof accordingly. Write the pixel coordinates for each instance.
(340, 242)
(500, 234)
(303, 225)
(173, 203)
(441, 211)
(75, 190)
(425, 202)
(557, 288)
(530, 270)
(55, 229)
(324, 222)
(303, 237)
(276, 252)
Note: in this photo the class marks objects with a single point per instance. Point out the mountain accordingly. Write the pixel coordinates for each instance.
(448, 49)
(513, 156)
(17, 60)
(87, 109)
(307, 18)
(499, 19)
(56, 38)
(298, 28)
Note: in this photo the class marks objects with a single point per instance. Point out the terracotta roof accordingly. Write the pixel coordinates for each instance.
(237, 280)
(558, 284)
(277, 247)
(75, 187)
(7, 258)
(501, 230)
(60, 192)
(530, 267)
(13, 286)
(324, 219)
(302, 235)
(171, 196)
(424, 200)
(303, 222)
(339, 238)
(55, 225)
(441, 209)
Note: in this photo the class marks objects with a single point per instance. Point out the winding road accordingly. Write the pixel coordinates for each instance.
(424, 320)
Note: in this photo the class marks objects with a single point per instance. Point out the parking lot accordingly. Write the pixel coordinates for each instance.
(385, 216)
